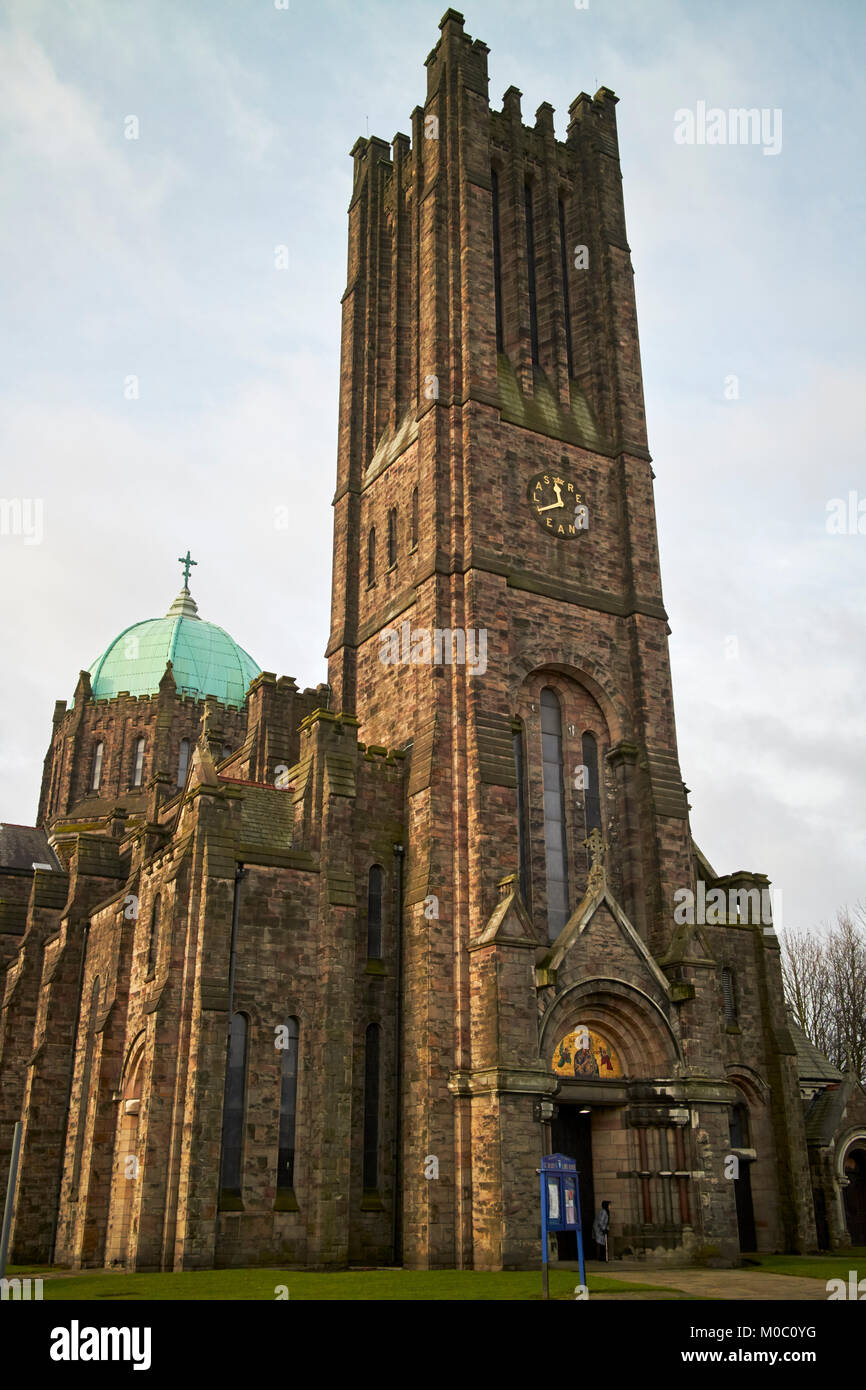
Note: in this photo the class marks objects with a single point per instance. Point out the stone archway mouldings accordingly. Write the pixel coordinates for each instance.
(852, 1138)
(134, 1055)
(594, 679)
(630, 1016)
(750, 1082)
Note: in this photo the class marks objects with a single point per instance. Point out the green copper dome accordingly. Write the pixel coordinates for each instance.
(205, 659)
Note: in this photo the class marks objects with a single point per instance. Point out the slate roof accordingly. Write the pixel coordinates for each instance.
(824, 1115)
(22, 846)
(812, 1065)
(95, 807)
(267, 819)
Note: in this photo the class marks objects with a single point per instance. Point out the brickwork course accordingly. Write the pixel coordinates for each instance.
(157, 925)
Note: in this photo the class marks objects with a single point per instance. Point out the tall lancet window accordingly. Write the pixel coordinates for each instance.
(138, 763)
(183, 762)
(371, 1109)
(738, 1124)
(288, 1107)
(392, 537)
(374, 913)
(414, 520)
(497, 261)
(96, 771)
(153, 934)
(371, 556)
(530, 270)
(522, 828)
(234, 1101)
(729, 996)
(566, 298)
(593, 786)
(554, 813)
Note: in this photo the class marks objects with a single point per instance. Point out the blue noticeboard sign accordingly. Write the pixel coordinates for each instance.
(560, 1206)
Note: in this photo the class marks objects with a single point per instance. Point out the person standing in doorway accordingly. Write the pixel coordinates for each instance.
(600, 1228)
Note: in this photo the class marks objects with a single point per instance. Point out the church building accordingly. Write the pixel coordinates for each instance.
(316, 977)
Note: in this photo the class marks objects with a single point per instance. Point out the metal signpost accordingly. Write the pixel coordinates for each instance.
(560, 1208)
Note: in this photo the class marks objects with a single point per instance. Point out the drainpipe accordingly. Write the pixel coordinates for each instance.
(398, 1029)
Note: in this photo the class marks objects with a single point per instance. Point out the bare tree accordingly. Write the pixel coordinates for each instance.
(846, 963)
(807, 984)
(824, 975)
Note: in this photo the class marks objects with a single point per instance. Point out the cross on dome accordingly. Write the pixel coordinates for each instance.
(187, 562)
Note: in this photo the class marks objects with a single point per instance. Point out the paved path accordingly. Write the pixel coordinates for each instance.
(746, 1284)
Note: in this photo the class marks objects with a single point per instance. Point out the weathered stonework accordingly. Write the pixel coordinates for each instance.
(245, 891)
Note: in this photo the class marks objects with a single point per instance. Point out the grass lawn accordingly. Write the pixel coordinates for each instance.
(836, 1266)
(352, 1285)
(398, 1285)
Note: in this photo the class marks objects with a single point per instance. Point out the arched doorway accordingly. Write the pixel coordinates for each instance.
(611, 1046)
(584, 1058)
(740, 1140)
(752, 1142)
(582, 1054)
(854, 1169)
(572, 1135)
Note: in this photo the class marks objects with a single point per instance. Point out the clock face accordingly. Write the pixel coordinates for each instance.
(557, 504)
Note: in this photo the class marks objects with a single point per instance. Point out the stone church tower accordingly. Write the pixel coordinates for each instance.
(317, 977)
(494, 481)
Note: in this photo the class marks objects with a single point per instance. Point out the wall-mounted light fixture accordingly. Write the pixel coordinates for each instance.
(545, 1111)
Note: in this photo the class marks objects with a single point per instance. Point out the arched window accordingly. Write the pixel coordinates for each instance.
(288, 1107)
(371, 556)
(554, 813)
(522, 827)
(96, 772)
(392, 537)
(729, 996)
(231, 1166)
(739, 1126)
(225, 753)
(593, 788)
(138, 763)
(374, 913)
(371, 1108)
(153, 935)
(413, 533)
(183, 762)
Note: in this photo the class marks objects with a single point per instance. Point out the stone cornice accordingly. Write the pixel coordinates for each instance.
(526, 1080)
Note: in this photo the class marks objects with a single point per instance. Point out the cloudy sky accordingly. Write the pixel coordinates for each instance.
(153, 258)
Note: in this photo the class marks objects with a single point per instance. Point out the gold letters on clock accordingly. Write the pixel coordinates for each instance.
(557, 505)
